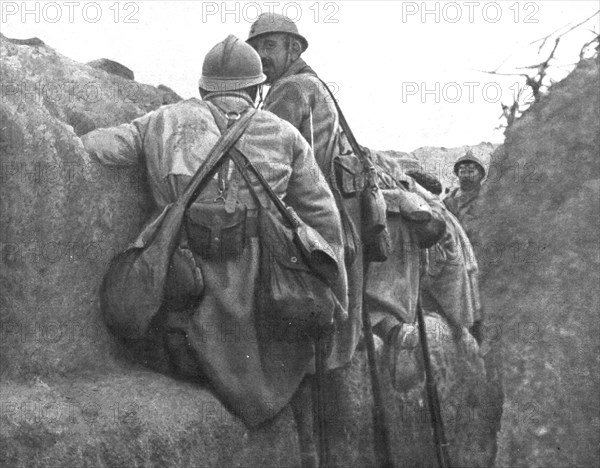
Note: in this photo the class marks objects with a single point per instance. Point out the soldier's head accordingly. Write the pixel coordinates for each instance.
(278, 43)
(469, 170)
(231, 66)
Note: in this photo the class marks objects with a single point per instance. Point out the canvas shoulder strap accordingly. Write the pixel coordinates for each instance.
(243, 164)
(206, 169)
(347, 130)
(368, 162)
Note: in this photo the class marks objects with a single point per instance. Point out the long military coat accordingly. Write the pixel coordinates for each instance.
(392, 288)
(253, 372)
(300, 98)
(463, 205)
(451, 282)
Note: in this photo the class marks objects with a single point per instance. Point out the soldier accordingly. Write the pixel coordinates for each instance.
(217, 338)
(299, 96)
(450, 284)
(392, 287)
(461, 200)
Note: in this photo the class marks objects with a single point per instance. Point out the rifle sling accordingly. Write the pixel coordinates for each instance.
(382, 433)
(348, 131)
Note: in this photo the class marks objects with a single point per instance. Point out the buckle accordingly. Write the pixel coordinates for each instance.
(233, 115)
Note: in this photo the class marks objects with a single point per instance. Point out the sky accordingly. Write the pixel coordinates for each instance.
(406, 74)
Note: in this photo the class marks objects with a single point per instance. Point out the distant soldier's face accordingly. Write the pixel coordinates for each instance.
(274, 51)
(469, 175)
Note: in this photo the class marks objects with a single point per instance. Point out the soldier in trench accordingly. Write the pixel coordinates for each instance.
(299, 96)
(212, 335)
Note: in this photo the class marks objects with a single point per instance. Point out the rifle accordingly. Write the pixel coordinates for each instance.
(439, 435)
(319, 402)
(375, 230)
(381, 425)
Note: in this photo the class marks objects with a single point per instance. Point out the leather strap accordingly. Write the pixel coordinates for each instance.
(214, 157)
(366, 160)
(348, 131)
(243, 164)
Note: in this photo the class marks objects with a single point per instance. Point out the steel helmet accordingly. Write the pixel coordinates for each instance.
(231, 65)
(268, 23)
(469, 157)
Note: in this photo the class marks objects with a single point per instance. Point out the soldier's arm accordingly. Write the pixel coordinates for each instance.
(431, 232)
(117, 146)
(310, 195)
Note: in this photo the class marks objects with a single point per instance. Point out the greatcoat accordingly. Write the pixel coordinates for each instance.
(450, 284)
(462, 204)
(254, 372)
(393, 287)
(299, 97)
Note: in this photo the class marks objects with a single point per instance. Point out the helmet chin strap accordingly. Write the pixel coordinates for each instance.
(259, 105)
(288, 52)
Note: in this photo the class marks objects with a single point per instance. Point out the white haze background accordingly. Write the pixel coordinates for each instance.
(372, 53)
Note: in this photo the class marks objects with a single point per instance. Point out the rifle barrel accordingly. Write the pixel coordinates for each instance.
(381, 425)
(320, 403)
(439, 434)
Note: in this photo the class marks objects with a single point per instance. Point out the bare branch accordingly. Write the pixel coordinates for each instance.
(579, 24)
(544, 65)
(504, 61)
(502, 74)
(536, 77)
(587, 44)
(545, 38)
(530, 66)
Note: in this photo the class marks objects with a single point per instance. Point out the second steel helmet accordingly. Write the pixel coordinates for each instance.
(268, 23)
(469, 157)
(231, 65)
